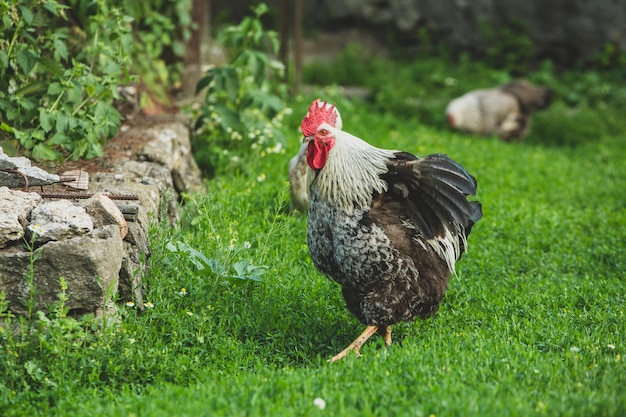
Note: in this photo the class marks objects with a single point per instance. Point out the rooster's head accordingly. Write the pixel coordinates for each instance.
(315, 128)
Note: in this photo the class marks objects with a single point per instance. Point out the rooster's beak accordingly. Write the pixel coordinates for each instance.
(307, 139)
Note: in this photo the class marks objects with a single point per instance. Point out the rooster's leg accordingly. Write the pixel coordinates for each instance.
(356, 345)
(387, 336)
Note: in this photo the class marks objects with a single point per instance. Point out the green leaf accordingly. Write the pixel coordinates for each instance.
(60, 49)
(247, 271)
(59, 139)
(49, 66)
(178, 48)
(4, 61)
(62, 122)
(55, 88)
(46, 120)
(231, 85)
(28, 103)
(43, 152)
(6, 127)
(75, 95)
(26, 60)
(55, 8)
(228, 117)
(27, 15)
(31, 88)
(100, 111)
(204, 82)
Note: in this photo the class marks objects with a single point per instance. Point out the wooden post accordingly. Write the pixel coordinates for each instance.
(298, 41)
(194, 56)
(284, 37)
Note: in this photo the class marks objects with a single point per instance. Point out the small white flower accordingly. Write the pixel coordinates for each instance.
(246, 244)
(574, 349)
(130, 304)
(148, 305)
(132, 340)
(261, 178)
(611, 346)
(36, 229)
(183, 291)
(276, 148)
(189, 313)
(231, 247)
(319, 403)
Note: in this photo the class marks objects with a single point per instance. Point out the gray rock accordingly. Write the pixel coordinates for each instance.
(103, 211)
(135, 263)
(90, 264)
(145, 189)
(19, 168)
(169, 145)
(15, 207)
(58, 220)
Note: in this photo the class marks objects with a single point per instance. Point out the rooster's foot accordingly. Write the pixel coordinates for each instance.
(356, 345)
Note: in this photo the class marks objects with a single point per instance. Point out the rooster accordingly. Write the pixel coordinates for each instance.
(505, 111)
(386, 225)
(298, 169)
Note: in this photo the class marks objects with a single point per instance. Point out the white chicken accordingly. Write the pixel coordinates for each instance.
(505, 111)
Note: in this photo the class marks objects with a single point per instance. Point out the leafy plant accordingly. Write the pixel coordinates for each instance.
(160, 29)
(244, 269)
(58, 80)
(243, 108)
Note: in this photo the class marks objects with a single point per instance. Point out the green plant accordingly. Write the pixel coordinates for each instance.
(243, 269)
(160, 30)
(353, 66)
(511, 48)
(58, 80)
(243, 108)
(609, 58)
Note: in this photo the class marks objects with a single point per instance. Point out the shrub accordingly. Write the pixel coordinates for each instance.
(58, 80)
(243, 108)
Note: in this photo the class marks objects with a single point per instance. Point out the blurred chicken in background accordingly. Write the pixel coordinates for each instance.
(505, 111)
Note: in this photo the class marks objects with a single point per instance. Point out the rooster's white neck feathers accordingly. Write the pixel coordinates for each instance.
(352, 172)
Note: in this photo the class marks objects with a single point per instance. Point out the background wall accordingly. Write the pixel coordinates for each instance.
(564, 30)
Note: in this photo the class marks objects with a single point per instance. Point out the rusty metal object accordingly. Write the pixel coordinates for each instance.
(81, 195)
(10, 181)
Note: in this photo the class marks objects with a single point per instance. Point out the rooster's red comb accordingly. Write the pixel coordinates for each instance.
(319, 112)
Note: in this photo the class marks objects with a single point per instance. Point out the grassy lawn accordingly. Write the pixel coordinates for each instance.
(242, 324)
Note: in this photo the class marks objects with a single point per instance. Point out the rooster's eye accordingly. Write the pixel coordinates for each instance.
(323, 132)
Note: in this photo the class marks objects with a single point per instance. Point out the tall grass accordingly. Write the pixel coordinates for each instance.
(240, 322)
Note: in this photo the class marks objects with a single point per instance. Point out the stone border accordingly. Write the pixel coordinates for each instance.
(99, 245)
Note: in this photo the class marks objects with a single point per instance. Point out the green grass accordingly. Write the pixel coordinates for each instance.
(532, 324)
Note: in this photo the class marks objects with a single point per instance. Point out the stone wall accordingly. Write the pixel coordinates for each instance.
(563, 30)
(100, 245)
